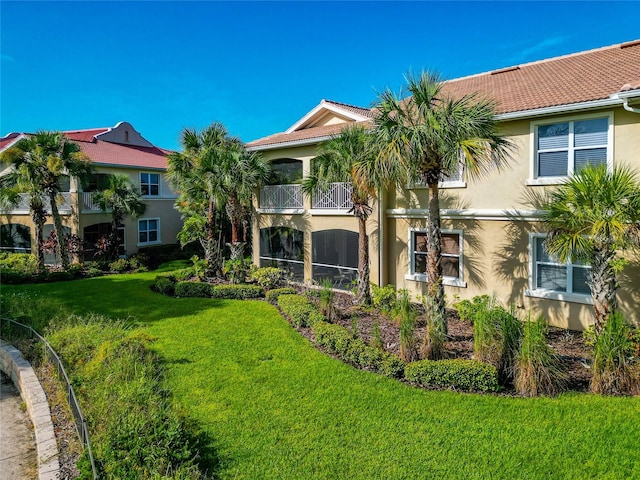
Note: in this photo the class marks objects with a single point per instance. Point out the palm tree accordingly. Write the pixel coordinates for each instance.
(350, 158)
(50, 157)
(122, 198)
(21, 181)
(433, 137)
(242, 174)
(591, 218)
(196, 174)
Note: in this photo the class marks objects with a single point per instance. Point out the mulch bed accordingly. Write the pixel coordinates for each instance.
(568, 344)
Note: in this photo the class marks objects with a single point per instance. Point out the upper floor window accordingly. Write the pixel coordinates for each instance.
(551, 275)
(148, 230)
(563, 148)
(285, 171)
(150, 184)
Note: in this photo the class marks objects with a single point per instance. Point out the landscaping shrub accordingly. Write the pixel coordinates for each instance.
(272, 295)
(435, 336)
(183, 274)
(407, 316)
(237, 292)
(300, 310)
(159, 254)
(326, 300)
(18, 262)
(384, 298)
(192, 289)
(458, 374)
(120, 265)
(613, 359)
(268, 277)
(468, 309)
(376, 341)
(538, 370)
(238, 270)
(339, 341)
(135, 432)
(164, 285)
(93, 272)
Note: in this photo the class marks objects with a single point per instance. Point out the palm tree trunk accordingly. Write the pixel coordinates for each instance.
(364, 290)
(604, 285)
(435, 287)
(234, 212)
(61, 247)
(39, 217)
(113, 247)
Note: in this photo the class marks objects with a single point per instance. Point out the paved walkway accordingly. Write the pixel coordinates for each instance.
(18, 459)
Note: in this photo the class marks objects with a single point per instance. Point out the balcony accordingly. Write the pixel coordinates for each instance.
(336, 197)
(281, 199)
(88, 202)
(22, 207)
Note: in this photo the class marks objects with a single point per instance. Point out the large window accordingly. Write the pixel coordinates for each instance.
(148, 231)
(15, 238)
(550, 275)
(451, 256)
(97, 182)
(150, 184)
(283, 247)
(566, 147)
(94, 237)
(285, 171)
(335, 257)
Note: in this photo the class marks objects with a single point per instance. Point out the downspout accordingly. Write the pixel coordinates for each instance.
(627, 107)
(381, 226)
(624, 98)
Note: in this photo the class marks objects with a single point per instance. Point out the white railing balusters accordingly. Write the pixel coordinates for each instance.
(281, 196)
(336, 197)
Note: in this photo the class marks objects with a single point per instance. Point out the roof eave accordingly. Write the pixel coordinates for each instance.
(291, 143)
(572, 107)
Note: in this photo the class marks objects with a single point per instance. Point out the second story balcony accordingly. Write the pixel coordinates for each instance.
(22, 206)
(281, 197)
(336, 197)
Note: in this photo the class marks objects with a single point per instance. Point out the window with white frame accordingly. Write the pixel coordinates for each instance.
(563, 148)
(451, 255)
(150, 184)
(148, 230)
(549, 274)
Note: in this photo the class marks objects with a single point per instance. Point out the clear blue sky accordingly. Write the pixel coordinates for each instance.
(259, 67)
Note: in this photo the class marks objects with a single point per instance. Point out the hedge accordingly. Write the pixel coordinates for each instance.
(338, 340)
(301, 311)
(237, 292)
(272, 295)
(458, 374)
(192, 289)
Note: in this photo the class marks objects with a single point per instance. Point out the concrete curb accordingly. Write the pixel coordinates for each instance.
(24, 378)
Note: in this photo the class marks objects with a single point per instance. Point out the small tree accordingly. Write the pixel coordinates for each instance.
(592, 218)
(123, 199)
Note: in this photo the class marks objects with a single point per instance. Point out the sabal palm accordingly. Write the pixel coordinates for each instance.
(196, 174)
(591, 218)
(434, 136)
(50, 157)
(123, 199)
(350, 158)
(21, 181)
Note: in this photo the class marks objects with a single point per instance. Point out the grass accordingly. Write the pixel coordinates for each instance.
(274, 407)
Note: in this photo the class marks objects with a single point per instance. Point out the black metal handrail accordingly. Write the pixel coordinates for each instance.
(52, 356)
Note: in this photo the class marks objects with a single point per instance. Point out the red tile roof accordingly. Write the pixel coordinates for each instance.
(84, 135)
(8, 139)
(365, 112)
(571, 79)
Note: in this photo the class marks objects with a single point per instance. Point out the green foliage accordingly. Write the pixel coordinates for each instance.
(339, 341)
(135, 431)
(327, 298)
(468, 309)
(458, 374)
(376, 341)
(384, 298)
(496, 338)
(164, 285)
(119, 266)
(93, 272)
(237, 292)
(183, 274)
(192, 289)
(538, 370)
(272, 295)
(268, 277)
(614, 372)
(238, 270)
(407, 316)
(435, 334)
(200, 267)
(18, 262)
(32, 308)
(300, 310)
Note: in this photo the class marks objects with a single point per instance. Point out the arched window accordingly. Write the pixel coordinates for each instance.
(335, 257)
(15, 238)
(283, 247)
(285, 171)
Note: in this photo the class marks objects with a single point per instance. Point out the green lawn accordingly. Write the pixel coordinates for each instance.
(272, 406)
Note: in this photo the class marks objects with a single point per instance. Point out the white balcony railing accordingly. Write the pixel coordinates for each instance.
(281, 196)
(336, 197)
(22, 207)
(88, 202)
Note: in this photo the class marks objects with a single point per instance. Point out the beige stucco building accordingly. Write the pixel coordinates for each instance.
(119, 149)
(560, 113)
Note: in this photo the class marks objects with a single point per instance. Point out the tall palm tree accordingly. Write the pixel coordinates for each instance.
(433, 137)
(49, 157)
(123, 199)
(349, 157)
(591, 218)
(196, 174)
(21, 180)
(242, 174)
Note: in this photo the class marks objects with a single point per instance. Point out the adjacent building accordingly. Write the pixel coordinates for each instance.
(561, 113)
(118, 149)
